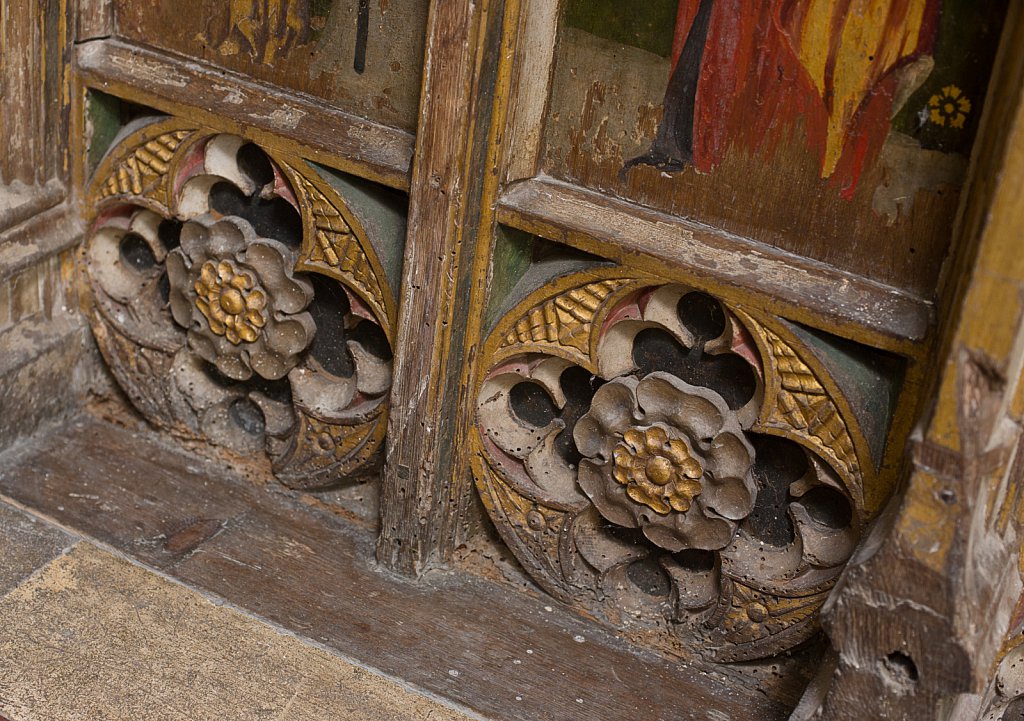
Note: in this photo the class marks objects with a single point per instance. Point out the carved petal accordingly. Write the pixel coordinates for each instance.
(748, 558)
(222, 161)
(271, 260)
(502, 426)
(691, 530)
(178, 279)
(728, 497)
(729, 490)
(611, 411)
(823, 546)
(549, 471)
(277, 415)
(322, 394)
(610, 498)
(700, 412)
(373, 374)
(283, 341)
(601, 549)
(692, 588)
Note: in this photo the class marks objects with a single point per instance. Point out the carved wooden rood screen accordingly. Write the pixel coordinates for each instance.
(562, 358)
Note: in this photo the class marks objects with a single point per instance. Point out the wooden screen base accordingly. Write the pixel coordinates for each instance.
(504, 655)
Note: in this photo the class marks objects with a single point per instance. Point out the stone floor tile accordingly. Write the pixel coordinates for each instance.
(92, 637)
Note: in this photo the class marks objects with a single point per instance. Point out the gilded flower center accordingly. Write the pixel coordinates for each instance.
(230, 301)
(658, 471)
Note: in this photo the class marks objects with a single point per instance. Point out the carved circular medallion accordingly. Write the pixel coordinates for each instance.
(236, 299)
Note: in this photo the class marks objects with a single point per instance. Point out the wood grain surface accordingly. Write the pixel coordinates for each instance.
(501, 654)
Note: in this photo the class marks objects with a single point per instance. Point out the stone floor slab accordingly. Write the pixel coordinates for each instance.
(92, 636)
(26, 544)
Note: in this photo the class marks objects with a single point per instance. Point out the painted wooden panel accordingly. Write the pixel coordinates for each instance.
(364, 56)
(836, 130)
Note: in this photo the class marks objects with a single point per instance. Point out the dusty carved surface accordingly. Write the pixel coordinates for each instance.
(236, 299)
(685, 470)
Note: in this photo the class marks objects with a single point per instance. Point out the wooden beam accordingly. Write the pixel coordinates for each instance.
(732, 267)
(271, 116)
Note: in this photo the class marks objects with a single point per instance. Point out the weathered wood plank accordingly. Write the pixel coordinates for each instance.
(223, 99)
(95, 19)
(794, 287)
(504, 655)
(427, 507)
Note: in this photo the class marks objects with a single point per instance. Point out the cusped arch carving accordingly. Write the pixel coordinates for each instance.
(237, 299)
(668, 461)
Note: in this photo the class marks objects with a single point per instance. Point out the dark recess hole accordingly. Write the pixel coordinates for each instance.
(828, 507)
(532, 404)
(901, 668)
(696, 560)
(727, 374)
(702, 315)
(371, 337)
(329, 308)
(247, 416)
(279, 390)
(578, 385)
(777, 464)
(254, 163)
(271, 218)
(169, 232)
(648, 576)
(136, 253)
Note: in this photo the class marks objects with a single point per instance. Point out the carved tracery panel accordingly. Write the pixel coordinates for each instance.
(237, 298)
(688, 470)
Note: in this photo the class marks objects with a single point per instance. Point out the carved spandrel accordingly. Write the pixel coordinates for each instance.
(703, 477)
(332, 246)
(195, 271)
(138, 167)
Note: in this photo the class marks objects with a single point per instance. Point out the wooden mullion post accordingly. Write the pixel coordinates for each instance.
(427, 504)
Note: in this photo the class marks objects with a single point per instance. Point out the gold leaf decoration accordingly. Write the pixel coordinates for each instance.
(753, 624)
(142, 171)
(335, 245)
(321, 451)
(566, 319)
(531, 530)
(804, 405)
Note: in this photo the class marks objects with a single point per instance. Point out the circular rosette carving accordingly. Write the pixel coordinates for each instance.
(212, 318)
(668, 458)
(643, 485)
(236, 294)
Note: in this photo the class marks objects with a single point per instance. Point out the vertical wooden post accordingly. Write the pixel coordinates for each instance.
(920, 615)
(426, 505)
(94, 19)
(22, 117)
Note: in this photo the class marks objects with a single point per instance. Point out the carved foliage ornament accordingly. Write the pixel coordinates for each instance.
(677, 466)
(236, 298)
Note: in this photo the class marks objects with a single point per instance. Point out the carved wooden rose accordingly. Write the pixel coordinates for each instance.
(239, 299)
(668, 458)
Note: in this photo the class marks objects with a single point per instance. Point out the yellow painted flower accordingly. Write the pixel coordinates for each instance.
(950, 107)
(658, 471)
(232, 305)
